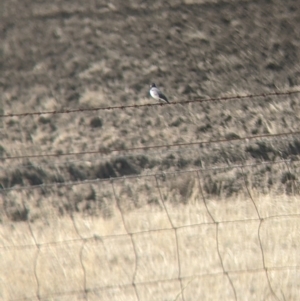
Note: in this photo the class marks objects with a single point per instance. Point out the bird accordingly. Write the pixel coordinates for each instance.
(156, 94)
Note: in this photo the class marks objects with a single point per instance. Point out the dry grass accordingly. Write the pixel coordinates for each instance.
(130, 237)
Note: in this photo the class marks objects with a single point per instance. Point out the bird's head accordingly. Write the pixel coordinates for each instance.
(152, 85)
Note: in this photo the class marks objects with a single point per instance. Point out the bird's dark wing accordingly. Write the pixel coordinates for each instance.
(162, 96)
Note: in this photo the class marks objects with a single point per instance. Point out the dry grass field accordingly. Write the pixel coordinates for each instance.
(207, 221)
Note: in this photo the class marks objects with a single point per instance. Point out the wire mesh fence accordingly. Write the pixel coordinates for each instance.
(178, 236)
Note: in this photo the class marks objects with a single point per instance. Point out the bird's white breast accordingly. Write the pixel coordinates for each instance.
(154, 93)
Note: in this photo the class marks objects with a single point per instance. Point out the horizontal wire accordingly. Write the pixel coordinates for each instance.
(104, 237)
(95, 238)
(100, 180)
(279, 93)
(151, 282)
(106, 157)
(179, 150)
(144, 148)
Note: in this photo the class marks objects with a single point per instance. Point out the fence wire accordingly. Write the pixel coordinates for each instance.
(151, 147)
(173, 256)
(198, 100)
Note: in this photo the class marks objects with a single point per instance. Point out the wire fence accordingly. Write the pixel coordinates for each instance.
(196, 234)
(170, 250)
(145, 175)
(146, 148)
(200, 100)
